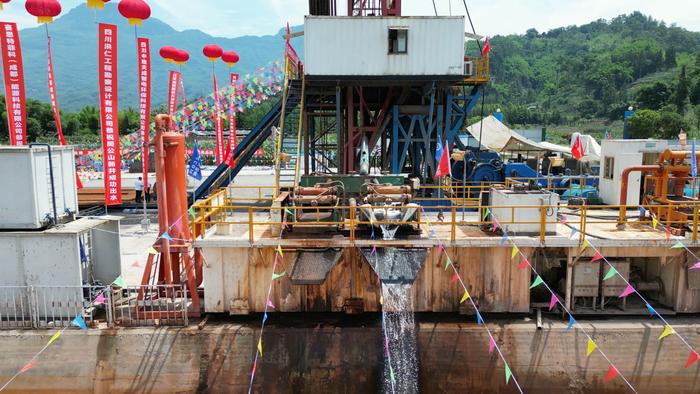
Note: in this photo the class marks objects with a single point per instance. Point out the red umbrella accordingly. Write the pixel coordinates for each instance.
(230, 58)
(181, 56)
(44, 10)
(99, 4)
(213, 52)
(135, 11)
(168, 53)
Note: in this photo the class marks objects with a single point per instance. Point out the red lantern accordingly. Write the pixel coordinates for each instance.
(230, 58)
(44, 10)
(98, 4)
(3, 2)
(213, 52)
(135, 11)
(181, 57)
(168, 53)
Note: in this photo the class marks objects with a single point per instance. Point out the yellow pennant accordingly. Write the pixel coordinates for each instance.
(668, 330)
(464, 297)
(585, 244)
(152, 250)
(260, 347)
(654, 223)
(514, 252)
(591, 347)
(54, 338)
(279, 250)
(381, 300)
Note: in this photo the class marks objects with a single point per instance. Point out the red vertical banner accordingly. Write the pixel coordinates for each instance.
(14, 83)
(232, 140)
(52, 97)
(109, 112)
(144, 56)
(219, 126)
(173, 87)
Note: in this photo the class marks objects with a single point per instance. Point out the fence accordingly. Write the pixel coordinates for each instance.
(36, 307)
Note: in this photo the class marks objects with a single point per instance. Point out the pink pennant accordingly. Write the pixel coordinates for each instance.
(26, 368)
(270, 304)
(564, 220)
(695, 266)
(553, 302)
(136, 264)
(374, 250)
(668, 234)
(628, 290)
(524, 264)
(286, 226)
(178, 224)
(492, 344)
(495, 226)
(440, 248)
(378, 281)
(255, 366)
(454, 279)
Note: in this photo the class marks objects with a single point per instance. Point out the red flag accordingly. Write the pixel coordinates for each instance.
(487, 48)
(444, 165)
(597, 257)
(577, 149)
(144, 61)
(523, 264)
(612, 373)
(52, 97)
(693, 357)
(454, 279)
(109, 113)
(13, 70)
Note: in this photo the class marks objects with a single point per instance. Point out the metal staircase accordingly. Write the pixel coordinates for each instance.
(224, 174)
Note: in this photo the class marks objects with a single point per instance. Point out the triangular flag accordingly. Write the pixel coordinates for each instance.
(100, 299)
(136, 264)
(573, 233)
(514, 252)
(487, 212)
(611, 272)
(440, 248)
(260, 346)
(289, 212)
(678, 245)
(264, 317)
(119, 282)
(391, 375)
(454, 279)
(495, 226)
(374, 250)
(448, 263)
(381, 300)
(508, 374)
(492, 344)
(54, 338)
(571, 323)
(524, 264)
(668, 234)
(695, 266)
(479, 320)
(693, 357)
(191, 212)
(597, 257)
(553, 302)
(591, 347)
(26, 367)
(538, 281)
(651, 309)
(668, 330)
(612, 373)
(504, 238)
(270, 304)
(79, 322)
(255, 366)
(628, 290)
(277, 276)
(166, 236)
(152, 250)
(564, 220)
(585, 244)
(654, 223)
(279, 250)
(464, 297)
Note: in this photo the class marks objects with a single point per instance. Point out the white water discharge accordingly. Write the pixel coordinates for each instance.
(400, 337)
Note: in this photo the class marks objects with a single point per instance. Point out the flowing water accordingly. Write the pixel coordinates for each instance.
(400, 339)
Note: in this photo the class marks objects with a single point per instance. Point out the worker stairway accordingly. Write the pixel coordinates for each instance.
(224, 174)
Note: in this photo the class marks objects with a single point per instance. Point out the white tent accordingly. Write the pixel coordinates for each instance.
(591, 148)
(498, 137)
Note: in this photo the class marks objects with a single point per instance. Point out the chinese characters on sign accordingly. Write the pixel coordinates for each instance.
(173, 87)
(144, 61)
(14, 83)
(109, 111)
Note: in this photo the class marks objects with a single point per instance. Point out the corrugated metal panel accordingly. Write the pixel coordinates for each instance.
(354, 46)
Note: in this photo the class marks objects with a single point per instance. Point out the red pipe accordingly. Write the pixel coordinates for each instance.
(625, 180)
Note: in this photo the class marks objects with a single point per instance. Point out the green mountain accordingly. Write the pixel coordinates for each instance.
(74, 46)
(594, 71)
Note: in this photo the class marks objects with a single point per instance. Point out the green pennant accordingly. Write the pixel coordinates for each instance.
(508, 374)
(391, 375)
(678, 245)
(487, 212)
(191, 212)
(611, 272)
(289, 212)
(119, 282)
(277, 276)
(448, 263)
(538, 281)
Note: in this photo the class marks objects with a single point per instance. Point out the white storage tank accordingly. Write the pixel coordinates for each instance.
(27, 201)
(524, 220)
(429, 47)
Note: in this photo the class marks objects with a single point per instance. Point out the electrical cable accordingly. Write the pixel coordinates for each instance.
(435, 8)
(471, 23)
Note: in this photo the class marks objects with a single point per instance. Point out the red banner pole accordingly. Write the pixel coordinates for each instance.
(13, 70)
(144, 51)
(173, 93)
(109, 113)
(232, 138)
(52, 96)
(219, 124)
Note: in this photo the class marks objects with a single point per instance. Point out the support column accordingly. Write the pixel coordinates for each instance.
(339, 130)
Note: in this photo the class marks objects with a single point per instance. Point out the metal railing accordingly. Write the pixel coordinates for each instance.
(151, 305)
(51, 306)
(548, 183)
(480, 70)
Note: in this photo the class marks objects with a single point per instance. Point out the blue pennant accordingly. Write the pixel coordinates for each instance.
(479, 320)
(166, 236)
(264, 317)
(573, 232)
(79, 322)
(651, 309)
(572, 321)
(504, 238)
(642, 211)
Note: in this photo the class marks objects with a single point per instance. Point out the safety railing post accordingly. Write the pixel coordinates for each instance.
(453, 230)
(584, 221)
(695, 223)
(251, 236)
(543, 224)
(352, 223)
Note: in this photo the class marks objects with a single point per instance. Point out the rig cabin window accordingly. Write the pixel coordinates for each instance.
(609, 171)
(398, 40)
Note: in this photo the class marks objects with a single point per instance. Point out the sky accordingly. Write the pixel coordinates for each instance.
(233, 18)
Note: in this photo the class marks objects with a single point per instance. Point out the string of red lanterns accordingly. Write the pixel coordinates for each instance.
(44, 10)
(135, 11)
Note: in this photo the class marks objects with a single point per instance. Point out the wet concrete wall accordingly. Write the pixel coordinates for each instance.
(453, 358)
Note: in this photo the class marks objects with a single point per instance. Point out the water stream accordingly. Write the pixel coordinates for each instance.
(400, 335)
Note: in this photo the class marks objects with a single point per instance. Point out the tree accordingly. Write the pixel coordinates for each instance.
(670, 58)
(33, 129)
(671, 124)
(697, 116)
(654, 96)
(695, 93)
(681, 91)
(644, 124)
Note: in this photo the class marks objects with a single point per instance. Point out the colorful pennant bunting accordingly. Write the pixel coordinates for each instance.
(514, 252)
(495, 226)
(54, 337)
(455, 278)
(508, 374)
(678, 245)
(585, 244)
(628, 290)
(479, 320)
(612, 373)
(279, 250)
(538, 281)
(651, 309)
(464, 297)
(693, 357)
(166, 236)
(78, 321)
(119, 282)
(654, 223)
(504, 238)
(264, 317)
(524, 264)
(270, 304)
(260, 347)
(668, 330)
(440, 248)
(100, 299)
(695, 266)
(152, 251)
(573, 233)
(571, 323)
(277, 276)
(374, 250)
(448, 263)
(591, 347)
(597, 257)
(26, 367)
(492, 344)
(611, 272)
(553, 302)
(668, 234)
